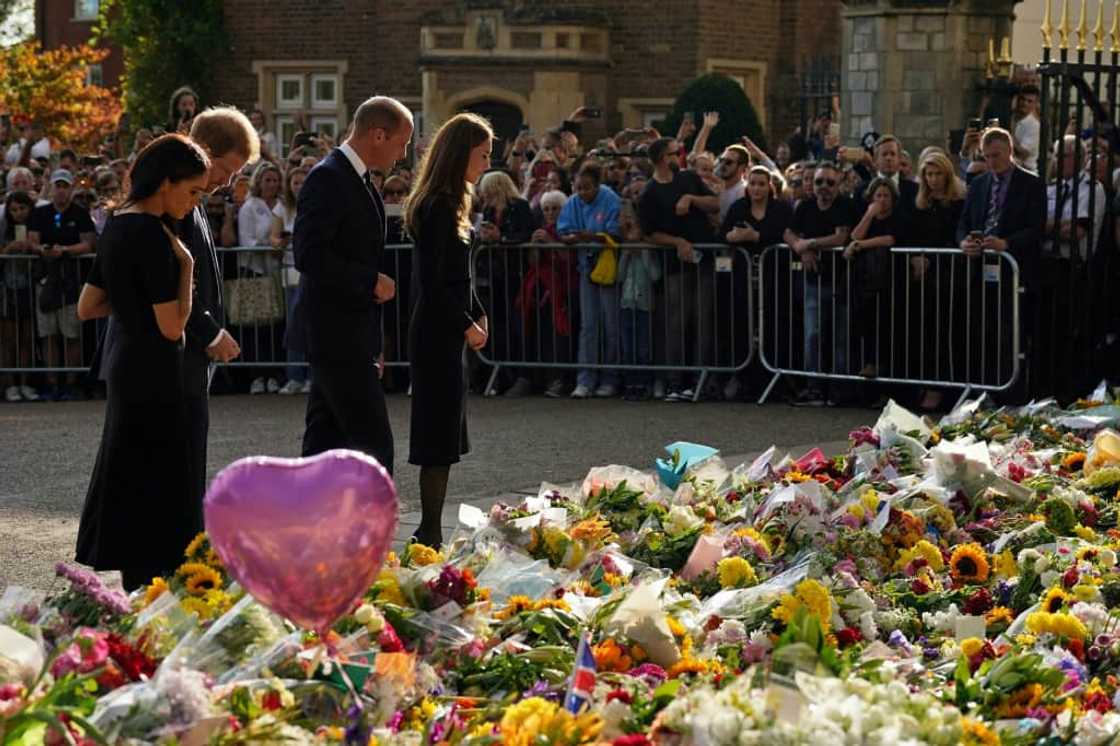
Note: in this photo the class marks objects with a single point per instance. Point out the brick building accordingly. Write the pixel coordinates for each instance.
(69, 23)
(517, 61)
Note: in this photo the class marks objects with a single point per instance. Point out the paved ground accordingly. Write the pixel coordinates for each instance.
(47, 452)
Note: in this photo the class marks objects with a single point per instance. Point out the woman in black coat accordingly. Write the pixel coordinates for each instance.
(140, 512)
(445, 317)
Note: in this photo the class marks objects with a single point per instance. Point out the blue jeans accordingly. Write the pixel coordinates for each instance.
(637, 346)
(598, 332)
(819, 318)
(294, 351)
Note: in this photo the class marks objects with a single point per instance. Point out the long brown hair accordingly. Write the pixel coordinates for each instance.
(954, 187)
(443, 170)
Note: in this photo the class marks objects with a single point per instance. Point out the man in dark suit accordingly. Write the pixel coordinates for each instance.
(1004, 211)
(1005, 208)
(338, 240)
(887, 157)
(231, 141)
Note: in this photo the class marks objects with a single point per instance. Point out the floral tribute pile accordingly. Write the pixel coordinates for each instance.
(942, 584)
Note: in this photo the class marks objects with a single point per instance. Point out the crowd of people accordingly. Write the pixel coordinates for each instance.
(839, 209)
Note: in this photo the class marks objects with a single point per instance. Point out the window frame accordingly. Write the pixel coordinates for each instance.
(283, 104)
(313, 95)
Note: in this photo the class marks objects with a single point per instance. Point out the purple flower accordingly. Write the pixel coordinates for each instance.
(931, 653)
(898, 640)
(357, 732)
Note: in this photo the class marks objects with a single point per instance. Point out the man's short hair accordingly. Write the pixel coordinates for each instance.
(827, 165)
(380, 112)
(67, 153)
(995, 134)
(883, 140)
(658, 147)
(1030, 90)
(741, 153)
(223, 129)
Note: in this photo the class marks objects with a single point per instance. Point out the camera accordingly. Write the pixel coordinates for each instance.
(975, 123)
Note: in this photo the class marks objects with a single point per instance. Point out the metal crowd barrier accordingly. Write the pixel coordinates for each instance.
(922, 316)
(39, 326)
(265, 338)
(958, 324)
(539, 297)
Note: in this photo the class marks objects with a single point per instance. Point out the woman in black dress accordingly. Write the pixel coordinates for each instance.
(938, 298)
(445, 315)
(139, 513)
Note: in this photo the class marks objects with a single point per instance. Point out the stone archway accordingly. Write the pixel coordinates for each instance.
(505, 118)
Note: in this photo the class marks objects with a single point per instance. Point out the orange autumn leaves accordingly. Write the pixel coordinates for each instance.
(49, 87)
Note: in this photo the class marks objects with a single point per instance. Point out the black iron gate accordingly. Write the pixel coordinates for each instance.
(1073, 333)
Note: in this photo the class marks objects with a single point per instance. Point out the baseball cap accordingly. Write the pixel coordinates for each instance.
(62, 174)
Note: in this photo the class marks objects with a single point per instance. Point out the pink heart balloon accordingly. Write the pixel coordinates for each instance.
(305, 536)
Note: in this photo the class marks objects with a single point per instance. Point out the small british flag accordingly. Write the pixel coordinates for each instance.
(583, 678)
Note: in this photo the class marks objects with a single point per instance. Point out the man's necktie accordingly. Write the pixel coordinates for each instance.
(992, 221)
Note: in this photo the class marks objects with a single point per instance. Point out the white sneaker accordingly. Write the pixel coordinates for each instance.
(606, 391)
(257, 387)
(273, 386)
(305, 388)
(290, 388)
(581, 392)
(12, 394)
(28, 393)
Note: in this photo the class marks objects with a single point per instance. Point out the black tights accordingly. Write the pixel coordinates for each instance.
(433, 491)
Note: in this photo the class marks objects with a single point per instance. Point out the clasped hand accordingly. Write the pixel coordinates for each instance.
(477, 334)
(385, 289)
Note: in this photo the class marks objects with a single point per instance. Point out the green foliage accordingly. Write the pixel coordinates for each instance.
(166, 45)
(717, 92)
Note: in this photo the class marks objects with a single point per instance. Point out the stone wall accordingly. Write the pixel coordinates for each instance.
(915, 71)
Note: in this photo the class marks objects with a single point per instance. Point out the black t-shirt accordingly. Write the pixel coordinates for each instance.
(61, 228)
(772, 227)
(809, 221)
(657, 211)
(872, 266)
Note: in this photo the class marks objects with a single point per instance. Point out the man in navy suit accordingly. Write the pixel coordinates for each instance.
(338, 240)
(1004, 211)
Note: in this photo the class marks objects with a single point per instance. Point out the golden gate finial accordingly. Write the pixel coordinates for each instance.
(1046, 29)
(1114, 33)
(1098, 30)
(1082, 27)
(1063, 27)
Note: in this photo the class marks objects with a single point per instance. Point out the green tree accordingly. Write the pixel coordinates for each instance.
(166, 44)
(717, 92)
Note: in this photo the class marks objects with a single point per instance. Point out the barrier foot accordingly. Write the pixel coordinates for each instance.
(963, 397)
(493, 379)
(700, 386)
(769, 387)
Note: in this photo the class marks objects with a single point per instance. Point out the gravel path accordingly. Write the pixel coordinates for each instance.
(47, 452)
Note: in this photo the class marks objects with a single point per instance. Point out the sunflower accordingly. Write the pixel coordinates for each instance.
(192, 551)
(974, 732)
(999, 615)
(1054, 599)
(203, 580)
(969, 564)
(1073, 461)
(196, 606)
(1023, 699)
(155, 590)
